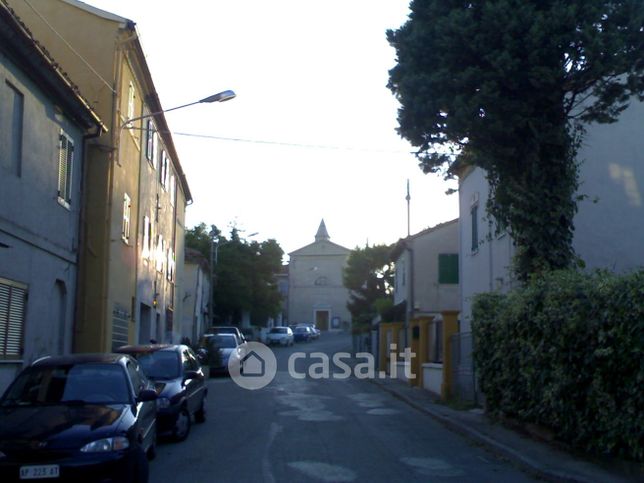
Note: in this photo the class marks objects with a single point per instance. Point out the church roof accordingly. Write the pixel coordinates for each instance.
(322, 245)
(322, 234)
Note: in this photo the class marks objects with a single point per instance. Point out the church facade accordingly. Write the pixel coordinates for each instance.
(316, 292)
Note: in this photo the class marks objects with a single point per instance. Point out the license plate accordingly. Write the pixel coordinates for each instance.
(39, 471)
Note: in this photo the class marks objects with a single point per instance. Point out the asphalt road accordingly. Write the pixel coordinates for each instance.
(325, 430)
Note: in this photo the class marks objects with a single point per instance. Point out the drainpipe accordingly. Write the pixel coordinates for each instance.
(82, 216)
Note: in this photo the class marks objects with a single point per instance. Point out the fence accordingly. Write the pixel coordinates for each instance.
(463, 378)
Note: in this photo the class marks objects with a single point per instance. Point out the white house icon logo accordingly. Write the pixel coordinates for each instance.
(252, 365)
(256, 369)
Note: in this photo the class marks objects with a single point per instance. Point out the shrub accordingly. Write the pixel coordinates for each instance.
(566, 351)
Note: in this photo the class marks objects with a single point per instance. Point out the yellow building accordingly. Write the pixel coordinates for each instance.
(135, 190)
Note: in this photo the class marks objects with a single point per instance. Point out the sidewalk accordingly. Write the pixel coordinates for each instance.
(536, 457)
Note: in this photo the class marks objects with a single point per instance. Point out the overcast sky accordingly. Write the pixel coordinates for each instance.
(311, 134)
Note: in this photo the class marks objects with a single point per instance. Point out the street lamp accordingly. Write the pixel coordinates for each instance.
(222, 96)
(213, 258)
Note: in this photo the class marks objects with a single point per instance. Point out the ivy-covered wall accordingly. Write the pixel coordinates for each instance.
(567, 352)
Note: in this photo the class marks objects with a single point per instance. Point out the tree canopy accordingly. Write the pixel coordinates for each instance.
(368, 276)
(505, 85)
(244, 274)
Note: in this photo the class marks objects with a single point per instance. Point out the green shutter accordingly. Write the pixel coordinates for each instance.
(448, 268)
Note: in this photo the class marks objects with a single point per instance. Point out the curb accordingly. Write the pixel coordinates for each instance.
(527, 464)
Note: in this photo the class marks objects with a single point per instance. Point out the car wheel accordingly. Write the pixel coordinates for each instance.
(200, 415)
(182, 425)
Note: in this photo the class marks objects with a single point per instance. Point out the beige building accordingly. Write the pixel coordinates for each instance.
(427, 284)
(316, 292)
(196, 295)
(135, 189)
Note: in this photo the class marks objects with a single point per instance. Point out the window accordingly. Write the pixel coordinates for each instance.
(474, 210)
(448, 268)
(13, 302)
(147, 237)
(170, 262)
(163, 172)
(138, 382)
(150, 142)
(131, 96)
(65, 167)
(173, 190)
(127, 207)
(159, 255)
(11, 119)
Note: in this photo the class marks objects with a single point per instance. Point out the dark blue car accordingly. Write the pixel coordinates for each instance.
(86, 417)
(180, 384)
(302, 334)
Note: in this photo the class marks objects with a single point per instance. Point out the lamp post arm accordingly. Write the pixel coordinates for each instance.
(145, 116)
(219, 97)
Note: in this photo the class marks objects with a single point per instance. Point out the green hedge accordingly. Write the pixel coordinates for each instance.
(567, 352)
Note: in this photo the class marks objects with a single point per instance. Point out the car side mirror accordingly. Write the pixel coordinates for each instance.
(147, 395)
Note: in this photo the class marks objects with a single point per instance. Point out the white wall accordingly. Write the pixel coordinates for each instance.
(609, 226)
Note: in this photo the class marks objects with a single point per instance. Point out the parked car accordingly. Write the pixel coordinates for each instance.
(315, 332)
(220, 348)
(222, 329)
(302, 334)
(280, 335)
(180, 384)
(83, 417)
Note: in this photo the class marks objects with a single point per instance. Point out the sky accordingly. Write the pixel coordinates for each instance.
(311, 134)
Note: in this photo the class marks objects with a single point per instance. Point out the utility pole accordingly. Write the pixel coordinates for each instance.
(213, 260)
(408, 198)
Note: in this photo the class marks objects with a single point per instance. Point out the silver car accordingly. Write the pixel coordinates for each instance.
(280, 335)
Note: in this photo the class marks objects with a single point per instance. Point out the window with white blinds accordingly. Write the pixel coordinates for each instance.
(127, 211)
(65, 166)
(13, 302)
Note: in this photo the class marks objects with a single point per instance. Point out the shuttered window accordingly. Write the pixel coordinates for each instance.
(448, 268)
(127, 207)
(65, 166)
(147, 238)
(13, 302)
(149, 140)
(474, 214)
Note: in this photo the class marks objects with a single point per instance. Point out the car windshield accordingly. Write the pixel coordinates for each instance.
(301, 329)
(278, 330)
(69, 384)
(223, 342)
(159, 364)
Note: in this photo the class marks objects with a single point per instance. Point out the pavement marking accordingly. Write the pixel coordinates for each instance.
(367, 400)
(266, 462)
(324, 471)
(433, 467)
(306, 407)
(382, 412)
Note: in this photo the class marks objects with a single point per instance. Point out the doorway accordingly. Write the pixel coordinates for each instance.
(322, 319)
(145, 321)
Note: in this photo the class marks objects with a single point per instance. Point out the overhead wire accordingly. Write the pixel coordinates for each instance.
(295, 145)
(69, 46)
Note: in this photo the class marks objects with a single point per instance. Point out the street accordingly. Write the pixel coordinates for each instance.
(321, 430)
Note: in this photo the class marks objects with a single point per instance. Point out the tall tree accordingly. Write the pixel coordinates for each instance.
(506, 85)
(369, 276)
(244, 274)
